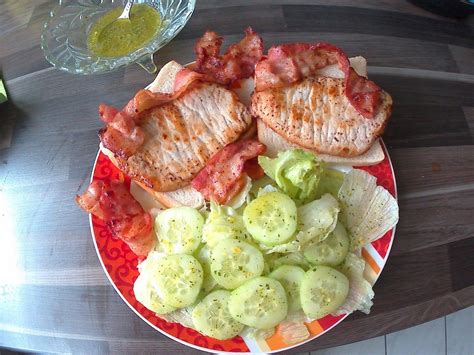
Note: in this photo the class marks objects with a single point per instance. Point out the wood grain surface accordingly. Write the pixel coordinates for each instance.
(54, 295)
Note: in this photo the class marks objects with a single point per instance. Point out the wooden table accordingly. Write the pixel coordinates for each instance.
(54, 295)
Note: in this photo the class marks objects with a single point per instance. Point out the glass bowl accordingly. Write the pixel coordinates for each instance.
(64, 37)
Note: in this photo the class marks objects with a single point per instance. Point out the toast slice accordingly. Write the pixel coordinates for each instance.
(276, 143)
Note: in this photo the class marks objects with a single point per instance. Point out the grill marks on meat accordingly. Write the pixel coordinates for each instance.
(289, 63)
(182, 135)
(315, 114)
(112, 202)
(122, 135)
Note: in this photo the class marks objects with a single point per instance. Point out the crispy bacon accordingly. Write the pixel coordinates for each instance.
(290, 63)
(253, 169)
(122, 135)
(362, 93)
(238, 62)
(223, 176)
(123, 215)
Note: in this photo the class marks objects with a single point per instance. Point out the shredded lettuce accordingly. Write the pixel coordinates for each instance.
(294, 258)
(266, 189)
(260, 183)
(182, 316)
(295, 171)
(241, 198)
(254, 333)
(360, 290)
(222, 223)
(292, 246)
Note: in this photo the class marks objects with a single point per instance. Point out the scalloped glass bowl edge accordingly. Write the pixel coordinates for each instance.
(64, 34)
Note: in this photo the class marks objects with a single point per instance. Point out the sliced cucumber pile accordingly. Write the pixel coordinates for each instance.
(251, 268)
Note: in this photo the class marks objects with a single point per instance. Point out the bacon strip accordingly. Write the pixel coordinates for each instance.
(122, 135)
(224, 174)
(290, 63)
(238, 62)
(123, 215)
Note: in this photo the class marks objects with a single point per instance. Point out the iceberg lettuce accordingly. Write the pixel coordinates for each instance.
(295, 171)
(360, 290)
(222, 223)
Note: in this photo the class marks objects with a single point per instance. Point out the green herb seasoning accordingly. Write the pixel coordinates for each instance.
(110, 37)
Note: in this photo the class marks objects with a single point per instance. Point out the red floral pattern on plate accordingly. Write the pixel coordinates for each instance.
(121, 264)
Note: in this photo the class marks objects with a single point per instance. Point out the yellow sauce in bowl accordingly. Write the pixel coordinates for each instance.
(110, 37)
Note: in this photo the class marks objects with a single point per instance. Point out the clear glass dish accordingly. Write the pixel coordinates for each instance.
(64, 37)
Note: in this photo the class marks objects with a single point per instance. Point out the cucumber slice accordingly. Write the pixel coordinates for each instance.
(331, 251)
(147, 296)
(211, 316)
(271, 218)
(204, 258)
(260, 303)
(179, 279)
(234, 261)
(290, 277)
(179, 230)
(323, 290)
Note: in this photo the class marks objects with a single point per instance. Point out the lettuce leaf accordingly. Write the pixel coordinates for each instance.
(360, 290)
(330, 182)
(257, 334)
(241, 198)
(292, 246)
(266, 189)
(182, 316)
(295, 171)
(294, 258)
(222, 223)
(367, 210)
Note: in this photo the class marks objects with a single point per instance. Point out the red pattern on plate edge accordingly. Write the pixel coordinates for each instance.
(121, 264)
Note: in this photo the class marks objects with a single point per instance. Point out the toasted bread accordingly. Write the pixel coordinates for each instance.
(276, 143)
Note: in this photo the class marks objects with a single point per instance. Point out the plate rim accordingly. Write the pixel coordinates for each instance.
(93, 236)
